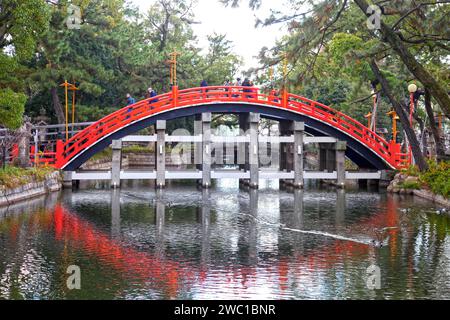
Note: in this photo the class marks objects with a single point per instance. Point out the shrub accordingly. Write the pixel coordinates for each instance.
(410, 185)
(411, 171)
(437, 177)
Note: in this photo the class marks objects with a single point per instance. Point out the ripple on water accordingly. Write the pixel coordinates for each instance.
(224, 243)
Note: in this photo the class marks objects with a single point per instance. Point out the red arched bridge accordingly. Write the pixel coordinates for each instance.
(364, 147)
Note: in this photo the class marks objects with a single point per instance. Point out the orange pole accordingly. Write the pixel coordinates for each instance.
(369, 119)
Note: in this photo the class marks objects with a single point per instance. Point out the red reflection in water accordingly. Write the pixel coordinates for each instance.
(171, 276)
(143, 266)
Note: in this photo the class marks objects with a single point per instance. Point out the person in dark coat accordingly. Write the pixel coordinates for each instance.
(204, 83)
(151, 93)
(247, 83)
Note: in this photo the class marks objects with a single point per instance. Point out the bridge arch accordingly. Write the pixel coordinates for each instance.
(365, 148)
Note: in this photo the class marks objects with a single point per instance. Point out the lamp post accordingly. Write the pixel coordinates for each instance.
(412, 88)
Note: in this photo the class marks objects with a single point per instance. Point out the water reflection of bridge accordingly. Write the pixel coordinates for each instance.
(256, 242)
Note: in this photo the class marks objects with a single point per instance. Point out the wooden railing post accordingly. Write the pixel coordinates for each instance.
(285, 98)
(59, 156)
(174, 96)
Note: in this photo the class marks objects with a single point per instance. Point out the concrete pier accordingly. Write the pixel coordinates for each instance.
(116, 164)
(341, 147)
(160, 154)
(206, 142)
(299, 129)
(253, 154)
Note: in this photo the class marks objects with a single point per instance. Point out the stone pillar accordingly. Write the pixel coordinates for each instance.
(327, 157)
(299, 129)
(322, 157)
(331, 159)
(161, 154)
(116, 165)
(67, 180)
(206, 163)
(242, 148)
(198, 152)
(386, 177)
(254, 150)
(24, 145)
(341, 146)
(286, 155)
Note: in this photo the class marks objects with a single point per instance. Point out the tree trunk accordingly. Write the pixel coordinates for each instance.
(436, 90)
(413, 142)
(440, 150)
(57, 106)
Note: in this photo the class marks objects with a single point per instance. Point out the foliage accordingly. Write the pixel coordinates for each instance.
(329, 41)
(12, 177)
(137, 149)
(410, 185)
(22, 23)
(118, 50)
(11, 108)
(411, 171)
(437, 177)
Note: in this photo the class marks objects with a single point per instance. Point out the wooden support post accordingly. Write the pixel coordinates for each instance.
(299, 129)
(161, 154)
(116, 165)
(254, 150)
(206, 161)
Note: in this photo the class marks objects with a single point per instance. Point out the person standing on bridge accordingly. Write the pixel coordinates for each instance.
(238, 83)
(203, 83)
(130, 100)
(151, 93)
(247, 83)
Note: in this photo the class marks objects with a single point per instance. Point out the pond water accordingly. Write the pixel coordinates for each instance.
(224, 243)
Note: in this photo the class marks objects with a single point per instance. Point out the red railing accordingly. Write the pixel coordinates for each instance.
(66, 151)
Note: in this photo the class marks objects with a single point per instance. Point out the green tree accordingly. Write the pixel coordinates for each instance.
(11, 108)
(22, 23)
(330, 39)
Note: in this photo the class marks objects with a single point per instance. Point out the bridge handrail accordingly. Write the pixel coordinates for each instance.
(200, 95)
(374, 137)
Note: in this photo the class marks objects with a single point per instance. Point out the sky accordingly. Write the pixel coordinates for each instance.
(237, 23)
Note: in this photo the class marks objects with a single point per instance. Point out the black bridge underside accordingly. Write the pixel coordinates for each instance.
(357, 152)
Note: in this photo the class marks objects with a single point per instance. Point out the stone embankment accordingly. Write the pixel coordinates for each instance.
(404, 184)
(51, 183)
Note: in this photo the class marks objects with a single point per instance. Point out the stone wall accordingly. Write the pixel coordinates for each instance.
(396, 186)
(52, 183)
